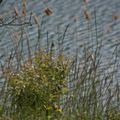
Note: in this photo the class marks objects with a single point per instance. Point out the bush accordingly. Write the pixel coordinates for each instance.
(35, 90)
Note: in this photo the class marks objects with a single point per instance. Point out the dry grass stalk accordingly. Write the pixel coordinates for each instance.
(1, 19)
(24, 13)
(36, 19)
(16, 37)
(16, 11)
(48, 11)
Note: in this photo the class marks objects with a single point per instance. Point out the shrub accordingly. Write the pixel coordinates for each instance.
(35, 90)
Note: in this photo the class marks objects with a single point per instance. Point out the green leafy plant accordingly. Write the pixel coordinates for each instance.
(35, 90)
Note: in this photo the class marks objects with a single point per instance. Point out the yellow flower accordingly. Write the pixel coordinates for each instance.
(59, 110)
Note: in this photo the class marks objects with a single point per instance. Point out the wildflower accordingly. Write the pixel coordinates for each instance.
(59, 110)
(48, 11)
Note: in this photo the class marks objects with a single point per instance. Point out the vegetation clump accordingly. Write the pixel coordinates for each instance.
(39, 85)
(35, 90)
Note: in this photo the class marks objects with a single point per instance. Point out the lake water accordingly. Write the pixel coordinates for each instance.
(66, 12)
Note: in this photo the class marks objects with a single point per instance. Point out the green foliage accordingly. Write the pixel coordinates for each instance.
(35, 90)
(93, 94)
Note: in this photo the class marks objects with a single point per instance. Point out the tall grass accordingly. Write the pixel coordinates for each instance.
(45, 84)
(94, 94)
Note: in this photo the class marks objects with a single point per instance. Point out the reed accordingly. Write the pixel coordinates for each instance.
(45, 84)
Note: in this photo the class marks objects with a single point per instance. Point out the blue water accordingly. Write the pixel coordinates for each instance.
(65, 12)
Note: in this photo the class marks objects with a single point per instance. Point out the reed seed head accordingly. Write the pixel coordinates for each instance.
(48, 11)
(87, 15)
(16, 11)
